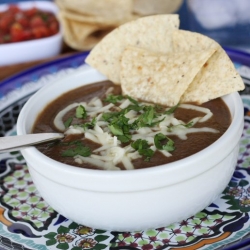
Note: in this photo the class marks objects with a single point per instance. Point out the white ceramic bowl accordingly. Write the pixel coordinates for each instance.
(31, 50)
(133, 199)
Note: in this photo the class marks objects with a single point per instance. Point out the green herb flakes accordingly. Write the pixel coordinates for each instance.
(78, 149)
(143, 148)
(172, 110)
(187, 125)
(68, 122)
(81, 112)
(162, 142)
(113, 98)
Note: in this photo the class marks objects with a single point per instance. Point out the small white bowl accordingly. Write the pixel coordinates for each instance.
(38, 49)
(132, 199)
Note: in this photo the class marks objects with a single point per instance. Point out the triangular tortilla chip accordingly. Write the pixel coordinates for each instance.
(95, 20)
(150, 7)
(152, 33)
(158, 78)
(82, 36)
(217, 77)
(110, 9)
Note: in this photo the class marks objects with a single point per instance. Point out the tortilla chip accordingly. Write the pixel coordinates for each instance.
(100, 20)
(158, 78)
(150, 33)
(217, 77)
(149, 7)
(82, 36)
(109, 9)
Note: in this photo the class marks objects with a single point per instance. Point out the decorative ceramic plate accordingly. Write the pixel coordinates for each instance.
(28, 222)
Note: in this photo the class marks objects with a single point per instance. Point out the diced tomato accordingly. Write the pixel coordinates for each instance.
(16, 32)
(14, 9)
(27, 35)
(53, 26)
(36, 21)
(39, 32)
(5, 22)
(20, 25)
(22, 19)
(16, 27)
(30, 12)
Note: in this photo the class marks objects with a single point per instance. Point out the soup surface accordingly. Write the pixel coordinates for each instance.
(105, 130)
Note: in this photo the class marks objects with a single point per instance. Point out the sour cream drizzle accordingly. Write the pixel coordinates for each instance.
(110, 153)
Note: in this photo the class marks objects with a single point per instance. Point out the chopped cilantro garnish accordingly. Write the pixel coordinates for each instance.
(168, 146)
(172, 109)
(143, 148)
(122, 127)
(124, 138)
(134, 107)
(147, 153)
(115, 129)
(132, 100)
(91, 124)
(109, 116)
(159, 108)
(119, 127)
(81, 112)
(140, 144)
(113, 98)
(146, 119)
(148, 115)
(79, 149)
(187, 125)
(68, 122)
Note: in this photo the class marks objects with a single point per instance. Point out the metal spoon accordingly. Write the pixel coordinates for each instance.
(12, 143)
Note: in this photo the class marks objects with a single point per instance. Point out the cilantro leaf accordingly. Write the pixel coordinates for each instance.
(113, 98)
(81, 112)
(140, 144)
(91, 124)
(119, 126)
(79, 149)
(143, 148)
(109, 116)
(187, 125)
(68, 122)
(124, 138)
(136, 108)
(168, 146)
(132, 100)
(172, 109)
(147, 153)
(115, 129)
(146, 118)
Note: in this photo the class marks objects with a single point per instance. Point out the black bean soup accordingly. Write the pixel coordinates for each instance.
(106, 130)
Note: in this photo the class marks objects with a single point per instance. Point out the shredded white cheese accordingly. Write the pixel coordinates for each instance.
(111, 153)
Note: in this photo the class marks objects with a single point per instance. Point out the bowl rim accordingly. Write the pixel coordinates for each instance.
(204, 155)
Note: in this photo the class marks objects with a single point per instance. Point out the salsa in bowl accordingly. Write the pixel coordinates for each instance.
(29, 30)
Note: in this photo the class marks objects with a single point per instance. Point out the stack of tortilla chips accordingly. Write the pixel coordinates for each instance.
(153, 60)
(86, 22)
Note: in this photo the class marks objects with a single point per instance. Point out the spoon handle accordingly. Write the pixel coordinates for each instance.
(12, 143)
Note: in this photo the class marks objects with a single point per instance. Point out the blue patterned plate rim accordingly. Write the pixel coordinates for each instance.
(7, 85)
